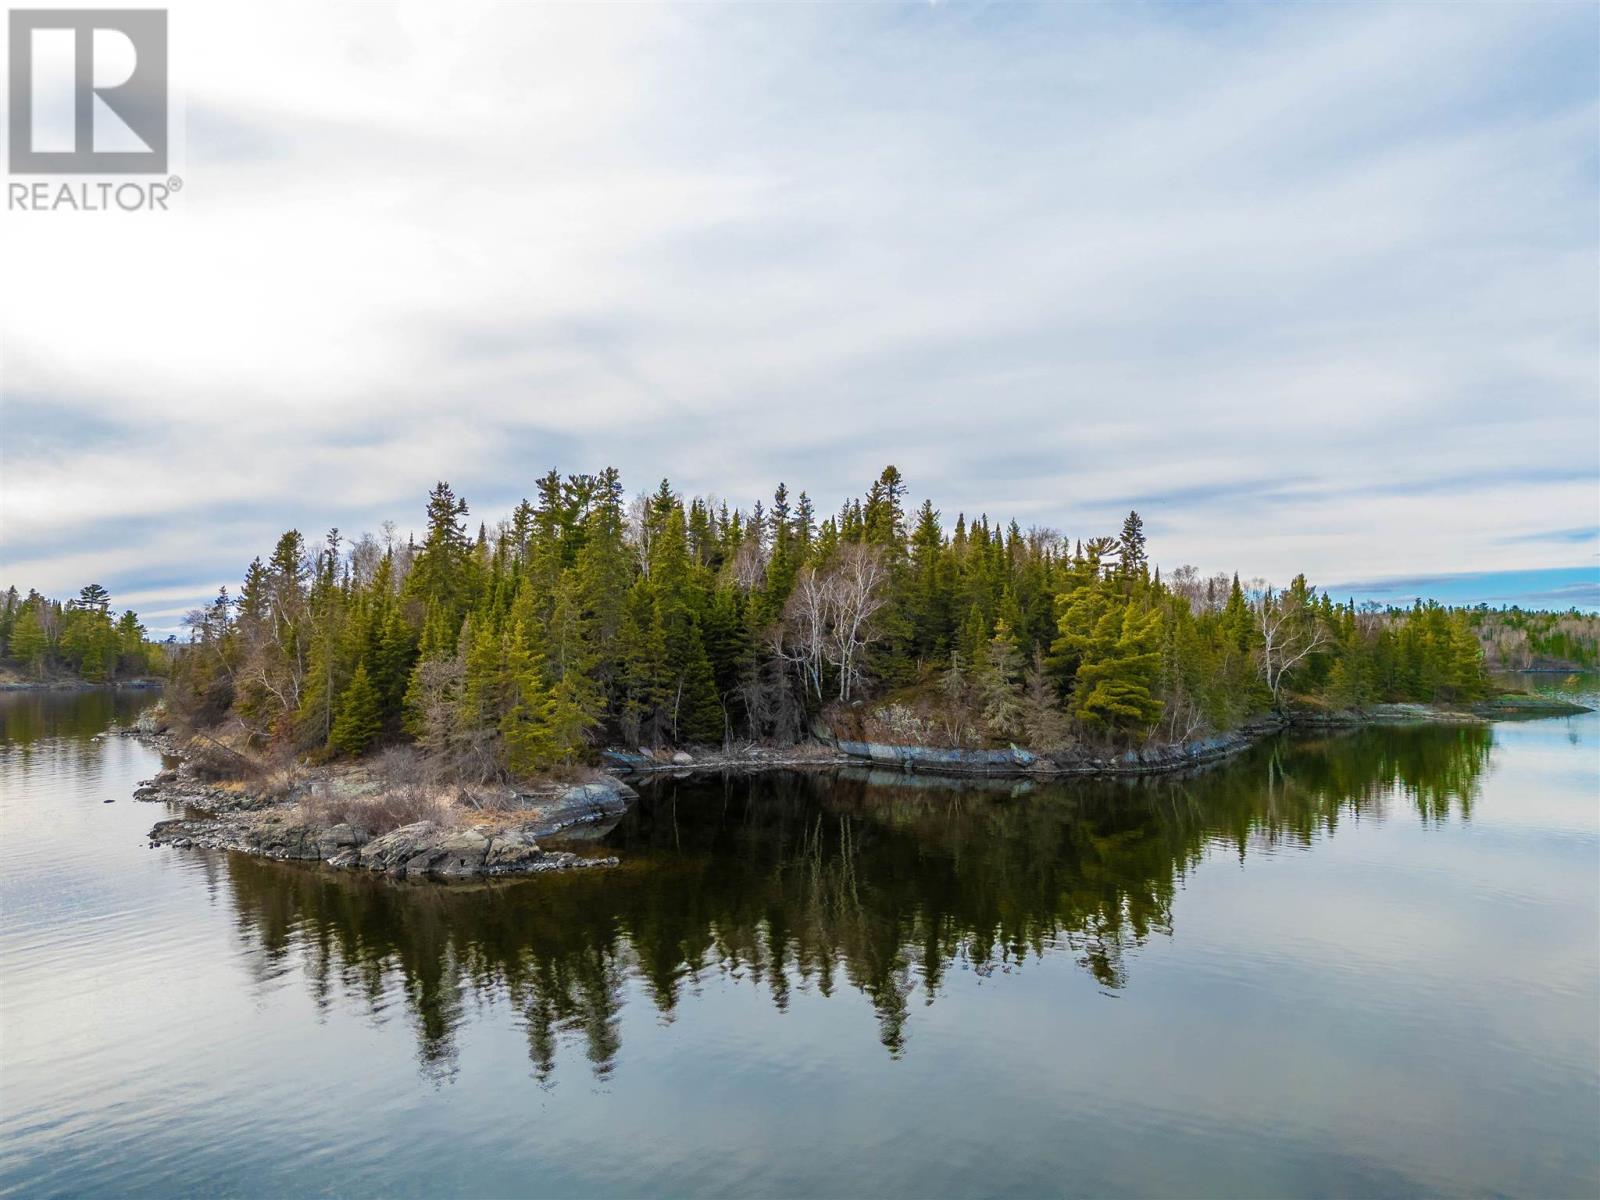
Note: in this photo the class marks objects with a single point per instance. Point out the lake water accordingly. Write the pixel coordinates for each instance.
(1359, 964)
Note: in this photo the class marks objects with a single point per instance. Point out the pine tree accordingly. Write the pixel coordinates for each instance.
(884, 518)
(1118, 674)
(1080, 611)
(93, 596)
(1468, 680)
(131, 654)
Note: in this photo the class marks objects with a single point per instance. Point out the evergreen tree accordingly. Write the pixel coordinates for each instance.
(996, 682)
(439, 576)
(1044, 724)
(360, 719)
(527, 723)
(1131, 553)
(1117, 675)
(29, 642)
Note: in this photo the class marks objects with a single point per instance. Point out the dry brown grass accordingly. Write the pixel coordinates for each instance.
(378, 812)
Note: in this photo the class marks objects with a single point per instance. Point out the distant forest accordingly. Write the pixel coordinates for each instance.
(584, 620)
(43, 639)
(1520, 640)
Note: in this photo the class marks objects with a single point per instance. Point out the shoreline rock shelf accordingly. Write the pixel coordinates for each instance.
(1149, 760)
(945, 760)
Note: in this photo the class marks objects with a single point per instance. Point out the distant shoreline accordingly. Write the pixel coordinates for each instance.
(79, 685)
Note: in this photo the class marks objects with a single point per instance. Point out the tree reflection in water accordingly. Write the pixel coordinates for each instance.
(865, 879)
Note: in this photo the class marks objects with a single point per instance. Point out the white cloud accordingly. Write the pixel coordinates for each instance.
(1323, 277)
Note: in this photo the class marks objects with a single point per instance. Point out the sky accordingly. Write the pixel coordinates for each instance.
(1313, 288)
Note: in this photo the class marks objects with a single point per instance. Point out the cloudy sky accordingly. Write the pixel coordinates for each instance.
(1312, 288)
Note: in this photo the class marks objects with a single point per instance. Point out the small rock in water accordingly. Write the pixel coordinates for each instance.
(109, 800)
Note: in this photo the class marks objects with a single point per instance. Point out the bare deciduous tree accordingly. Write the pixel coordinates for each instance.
(801, 635)
(1290, 631)
(831, 618)
(749, 566)
(365, 555)
(858, 593)
(1185, 581)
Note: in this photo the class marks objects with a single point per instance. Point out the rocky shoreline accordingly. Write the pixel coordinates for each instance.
(734, 758)
(492, 832)
(1075, 761)
(317, 816)
(508, 838)
(1163, 759)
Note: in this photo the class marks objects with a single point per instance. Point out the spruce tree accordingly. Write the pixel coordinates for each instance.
(698, 715)
(1131, 553)
(439, 577)
(570, 723)
(1044, 724)
(643, 669)
(526, 726)
(996, 683)
(360, 720)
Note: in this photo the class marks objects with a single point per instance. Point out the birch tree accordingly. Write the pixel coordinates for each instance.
(1290, 632)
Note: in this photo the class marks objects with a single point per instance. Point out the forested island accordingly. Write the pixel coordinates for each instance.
(381, 682)
(582, 620)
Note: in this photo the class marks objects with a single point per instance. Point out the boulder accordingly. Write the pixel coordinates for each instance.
(512, 851)
(460, 854)
(682, 758)
(395, 849)
(338, 838)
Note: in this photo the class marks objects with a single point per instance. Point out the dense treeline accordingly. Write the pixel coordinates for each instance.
(582, 619)
(42, 638)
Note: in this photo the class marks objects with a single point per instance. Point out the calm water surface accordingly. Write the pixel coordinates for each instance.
(1355, 964)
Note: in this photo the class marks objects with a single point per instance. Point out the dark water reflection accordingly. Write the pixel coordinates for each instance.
(856, 879)
(1354, 964)
(26, 716)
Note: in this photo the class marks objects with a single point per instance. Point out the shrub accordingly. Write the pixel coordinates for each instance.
(377, 812)
(898, 724)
